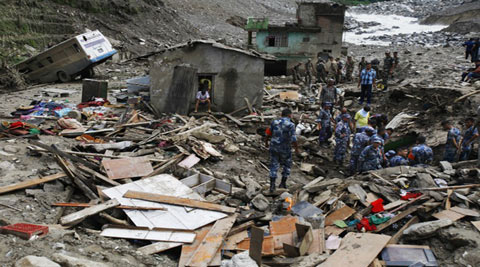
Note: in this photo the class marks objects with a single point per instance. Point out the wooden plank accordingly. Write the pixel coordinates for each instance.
(333, 230)
(396, 237)
(212, 242)
(249, 106)
(318, 243)
(448, 214)
(158, 247)
(189, 249)
(127, 167)
(230, 117)
(256, 245)
(466, 212)
(75, 177)
(233, 240)
(279, 240)
(340, 214)
(77, 217)
(477, 225)
(189, 161)
(240, 228)
(268, 246)
(178, 201)
(147, 234)
(448, 203)
(395, 204)
(30, 183)
(98, 175)
(357, 250)
(395, 219)
(283, 226)
(304, 233)
(86, 205)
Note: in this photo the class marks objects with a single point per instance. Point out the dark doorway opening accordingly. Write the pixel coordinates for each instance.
(208, 80)
(275, 68)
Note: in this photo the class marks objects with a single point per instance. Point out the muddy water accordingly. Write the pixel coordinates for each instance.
(389, 25)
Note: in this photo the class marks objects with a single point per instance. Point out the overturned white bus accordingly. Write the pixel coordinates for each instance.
(69, 59)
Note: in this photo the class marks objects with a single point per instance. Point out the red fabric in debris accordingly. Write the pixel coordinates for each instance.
(411, 195)
(364, 223)
(268, 132)
(17, 124)
(377, 205)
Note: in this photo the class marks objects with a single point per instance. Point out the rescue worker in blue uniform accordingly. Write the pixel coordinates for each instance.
(400, 159)
(324, 125)
(371, 157)
(421, 154)
(360, 141)
(468, 138)
(452, 146)
(342, 138)
(281, 135)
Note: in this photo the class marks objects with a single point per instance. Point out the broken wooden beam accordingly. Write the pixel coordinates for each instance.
(444, 188)
(86, 205)
(397, 218)
(30, 183)
(186, 202)
(396, 237)
(77, 217)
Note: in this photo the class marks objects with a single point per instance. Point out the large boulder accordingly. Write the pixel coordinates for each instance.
(71, 261)
(260, 202)
(425, 229)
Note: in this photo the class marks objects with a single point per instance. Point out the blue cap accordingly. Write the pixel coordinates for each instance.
(369, 129)
(390, 153)
(346, 116)
(376, 139)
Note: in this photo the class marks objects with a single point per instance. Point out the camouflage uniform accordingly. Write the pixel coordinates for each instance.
(450, 148)
(350, 65)
(308, 72)
(423, 155)
(325, 121)
(387, 65)
(398, 161)
(370, 159)
(467, 148)
(341, 141)
(360, 141)
(361, 66)
(321, 72)
(283, 134)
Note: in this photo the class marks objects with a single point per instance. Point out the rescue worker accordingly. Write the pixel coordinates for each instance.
(400, 159)
(331, 68)
(388, 65)
(309, 69)
(362, 65)
(367, 81)
(371, 157)
(466, 143)
(453, 141)
(360, 141)
(339, 75)
(342, 139)
(281, 135)
(296, 73)
(349, 67)
(321, 71)
(329, 93)
(421, 154)
(324, 123)
(396, 61)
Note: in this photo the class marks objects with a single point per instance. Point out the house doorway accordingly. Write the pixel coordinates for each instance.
(209, 80)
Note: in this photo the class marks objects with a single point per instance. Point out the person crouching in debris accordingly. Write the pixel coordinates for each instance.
(203, 97)
(453, 141)
(324, 123)
(421, 154)
(400, 159)
(360, 141)
(342, 139)
(473, 73)
(281, 135)
(371, 157)
(466, 143)
(296, 73)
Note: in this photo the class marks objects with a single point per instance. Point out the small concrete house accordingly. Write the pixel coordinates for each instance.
(232, 74)
(317, 30)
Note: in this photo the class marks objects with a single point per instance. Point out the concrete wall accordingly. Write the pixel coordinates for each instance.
(237, 75)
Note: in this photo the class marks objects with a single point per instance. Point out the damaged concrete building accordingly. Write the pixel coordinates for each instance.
(317, 31)
(232, 74)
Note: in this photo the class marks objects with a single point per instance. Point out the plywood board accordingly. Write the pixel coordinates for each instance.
(153, 235)
(292, 95)
(283, 226)
(233, 240)
(77, 217)
(394, 204)
(127, 167)
(397, 218)
(333, 230)
(466, 212)
(256, 245)
(340, 214)
(268, 246)
(189, 161)
(318, 244)
(357, 250)
(212, 242)
(158, 247)
(175, 217)
(448, 214)
(477, 225)
(278, 240)
(189, 249)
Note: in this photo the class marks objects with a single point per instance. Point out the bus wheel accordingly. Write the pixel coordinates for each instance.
(63, 76)
(88, 73)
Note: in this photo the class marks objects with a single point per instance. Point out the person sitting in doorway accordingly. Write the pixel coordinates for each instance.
(203, 97)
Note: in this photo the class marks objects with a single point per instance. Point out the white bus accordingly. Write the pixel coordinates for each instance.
(69, 59)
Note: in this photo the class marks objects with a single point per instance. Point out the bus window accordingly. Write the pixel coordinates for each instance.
(75, 46)
(50, 60)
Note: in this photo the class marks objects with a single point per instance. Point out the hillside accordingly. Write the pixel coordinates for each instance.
(462, 19)
(138, 26)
